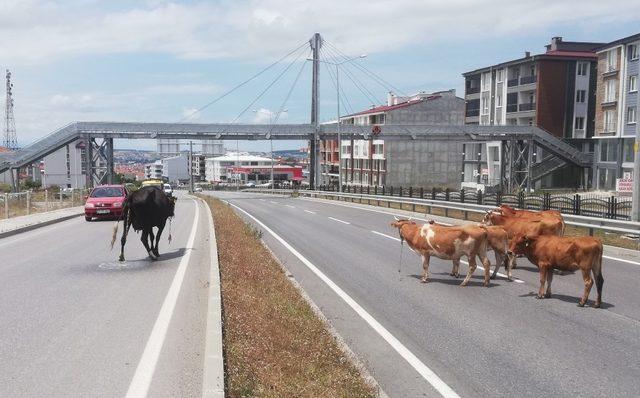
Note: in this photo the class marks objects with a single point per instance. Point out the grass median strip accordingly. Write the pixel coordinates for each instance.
(274, 344)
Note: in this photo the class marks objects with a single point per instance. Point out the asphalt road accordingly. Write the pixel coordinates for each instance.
(74, 322)
(480, 342)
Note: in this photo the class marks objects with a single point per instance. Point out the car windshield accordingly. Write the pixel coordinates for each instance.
(107, 192)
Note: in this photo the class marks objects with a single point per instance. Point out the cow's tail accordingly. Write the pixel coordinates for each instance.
(123, 216)
(597, 272)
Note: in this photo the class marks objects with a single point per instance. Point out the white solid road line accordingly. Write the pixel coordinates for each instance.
(141, 381)
(271, 201)
(262, 200)
(462, 261)
(293, 207)
(338, 220)
(623, 260)
(310, 212)
(414, 361)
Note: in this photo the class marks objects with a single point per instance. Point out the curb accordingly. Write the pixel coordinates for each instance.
(213, 369)
(37, 225)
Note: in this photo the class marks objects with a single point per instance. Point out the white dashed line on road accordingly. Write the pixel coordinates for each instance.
(338, 220)
(310, 212)
(271, 201)
(293, 207)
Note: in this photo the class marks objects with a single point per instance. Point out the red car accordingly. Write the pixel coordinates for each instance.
(105, 201)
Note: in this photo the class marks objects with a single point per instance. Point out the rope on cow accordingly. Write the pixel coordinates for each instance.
(400, 263)
(170, 219)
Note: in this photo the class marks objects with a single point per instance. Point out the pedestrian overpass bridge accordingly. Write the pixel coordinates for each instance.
(518, 143)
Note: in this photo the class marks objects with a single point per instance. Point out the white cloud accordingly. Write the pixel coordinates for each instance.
(39, 30)
(264, 115)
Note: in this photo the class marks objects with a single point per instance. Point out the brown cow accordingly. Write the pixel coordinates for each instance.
(448, 243)
(533, 215)
(563, 253)
(497, 240)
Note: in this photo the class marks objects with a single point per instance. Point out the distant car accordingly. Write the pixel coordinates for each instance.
(167, 190)
(105, 201)
(153, 182)
(250, 184)
(197, 189)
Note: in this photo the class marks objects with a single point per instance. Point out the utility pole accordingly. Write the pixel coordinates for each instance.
(635, 199)
(10, 137)
(190, 166)
(314, 147)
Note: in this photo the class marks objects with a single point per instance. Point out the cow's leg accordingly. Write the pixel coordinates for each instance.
(151, 239)
(588, 282)
(425, 268)
(487, 268)
(549, 279)
(499, 260)
(145, 238)
(455, 271)
(160, 229)
(543, 279)
(472, 268)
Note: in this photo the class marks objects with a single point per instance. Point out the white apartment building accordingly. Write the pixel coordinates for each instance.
(66, 167)
(219, 169)
(153, 170)
(175, 168)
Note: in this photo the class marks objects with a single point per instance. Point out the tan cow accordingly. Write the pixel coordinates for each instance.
(563, 253)
(532, 215)
(448, 243)
(497, 240)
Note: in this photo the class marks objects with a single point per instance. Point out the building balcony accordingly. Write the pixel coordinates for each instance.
(472, 90)
(610, 70)
(528, 79)
(531, 106)
(512, 82)
(512, 108)
(472, 112)
(609, 102)
(609, 128)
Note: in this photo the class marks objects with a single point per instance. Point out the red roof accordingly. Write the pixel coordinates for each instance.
(386, 108)
(573, 54)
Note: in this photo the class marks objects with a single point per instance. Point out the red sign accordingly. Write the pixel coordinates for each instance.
(624, 184)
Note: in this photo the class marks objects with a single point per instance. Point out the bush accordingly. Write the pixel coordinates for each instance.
(5, 188)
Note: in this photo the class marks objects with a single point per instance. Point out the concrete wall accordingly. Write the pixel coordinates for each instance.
(175, 168)
(424, 163)
(55, 168)
(447, 109)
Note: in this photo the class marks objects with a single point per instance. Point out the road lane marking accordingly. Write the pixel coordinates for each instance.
(271, 201)
(620, 259)
(141, 381)
(293, 207)
(262, 200)
(462, 261)
(310, 212)
(338, 220)
(413, 360)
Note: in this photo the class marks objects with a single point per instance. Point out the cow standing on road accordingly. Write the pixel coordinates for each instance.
(563, 253)
(448, 243)
(144, 209)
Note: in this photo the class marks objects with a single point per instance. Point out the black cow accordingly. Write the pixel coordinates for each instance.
(144, 209)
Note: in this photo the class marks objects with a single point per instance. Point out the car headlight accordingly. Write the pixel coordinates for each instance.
(117, 204)
(89, 205)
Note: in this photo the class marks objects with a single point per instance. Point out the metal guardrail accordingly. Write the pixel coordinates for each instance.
(592, 223)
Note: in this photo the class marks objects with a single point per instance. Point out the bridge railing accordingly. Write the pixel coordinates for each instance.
(466, 207)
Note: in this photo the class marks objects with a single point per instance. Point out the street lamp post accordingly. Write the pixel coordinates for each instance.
(337, 65)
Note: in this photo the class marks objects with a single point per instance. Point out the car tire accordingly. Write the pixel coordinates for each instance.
(88, 218)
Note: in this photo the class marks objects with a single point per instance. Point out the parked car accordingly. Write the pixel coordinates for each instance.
(197, 189)
(105, 201)
(167, 189)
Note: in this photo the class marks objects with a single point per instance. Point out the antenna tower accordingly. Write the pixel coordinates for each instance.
(10, 137)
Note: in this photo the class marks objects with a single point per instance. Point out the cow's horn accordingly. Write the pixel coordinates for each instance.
(396, 217)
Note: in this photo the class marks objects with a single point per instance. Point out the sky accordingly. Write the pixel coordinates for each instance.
(160, 61)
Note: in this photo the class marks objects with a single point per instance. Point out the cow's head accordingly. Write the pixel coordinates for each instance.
(520, 244)
(399, 223)
(490, 218)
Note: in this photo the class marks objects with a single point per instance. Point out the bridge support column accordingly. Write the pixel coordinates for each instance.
(88, 162)
(109, 157)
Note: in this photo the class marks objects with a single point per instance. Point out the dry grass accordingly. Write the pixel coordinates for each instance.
(274, 344)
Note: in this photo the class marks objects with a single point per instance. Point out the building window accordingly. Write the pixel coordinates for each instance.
(486, 81)
(631, 115)
(608, 150)
(633, 51)
(485, 104)
(498, 101)
(606, 179)
(609, 121)
(499, 74)
(579, 125)
(612, 60)
(582, 68)
(580, 96)
(610, 90)
(633, 83)
(627, 152)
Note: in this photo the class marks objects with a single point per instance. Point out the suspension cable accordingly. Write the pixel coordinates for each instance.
(354, 79)
(342, 94)
(284, 103)
(189, 116)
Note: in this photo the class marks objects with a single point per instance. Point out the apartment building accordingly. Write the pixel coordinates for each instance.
(223, 168)
(401, 163)
(153, 170)
(175, 168)
(616, 111)
(66, 167)
(554, 90)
